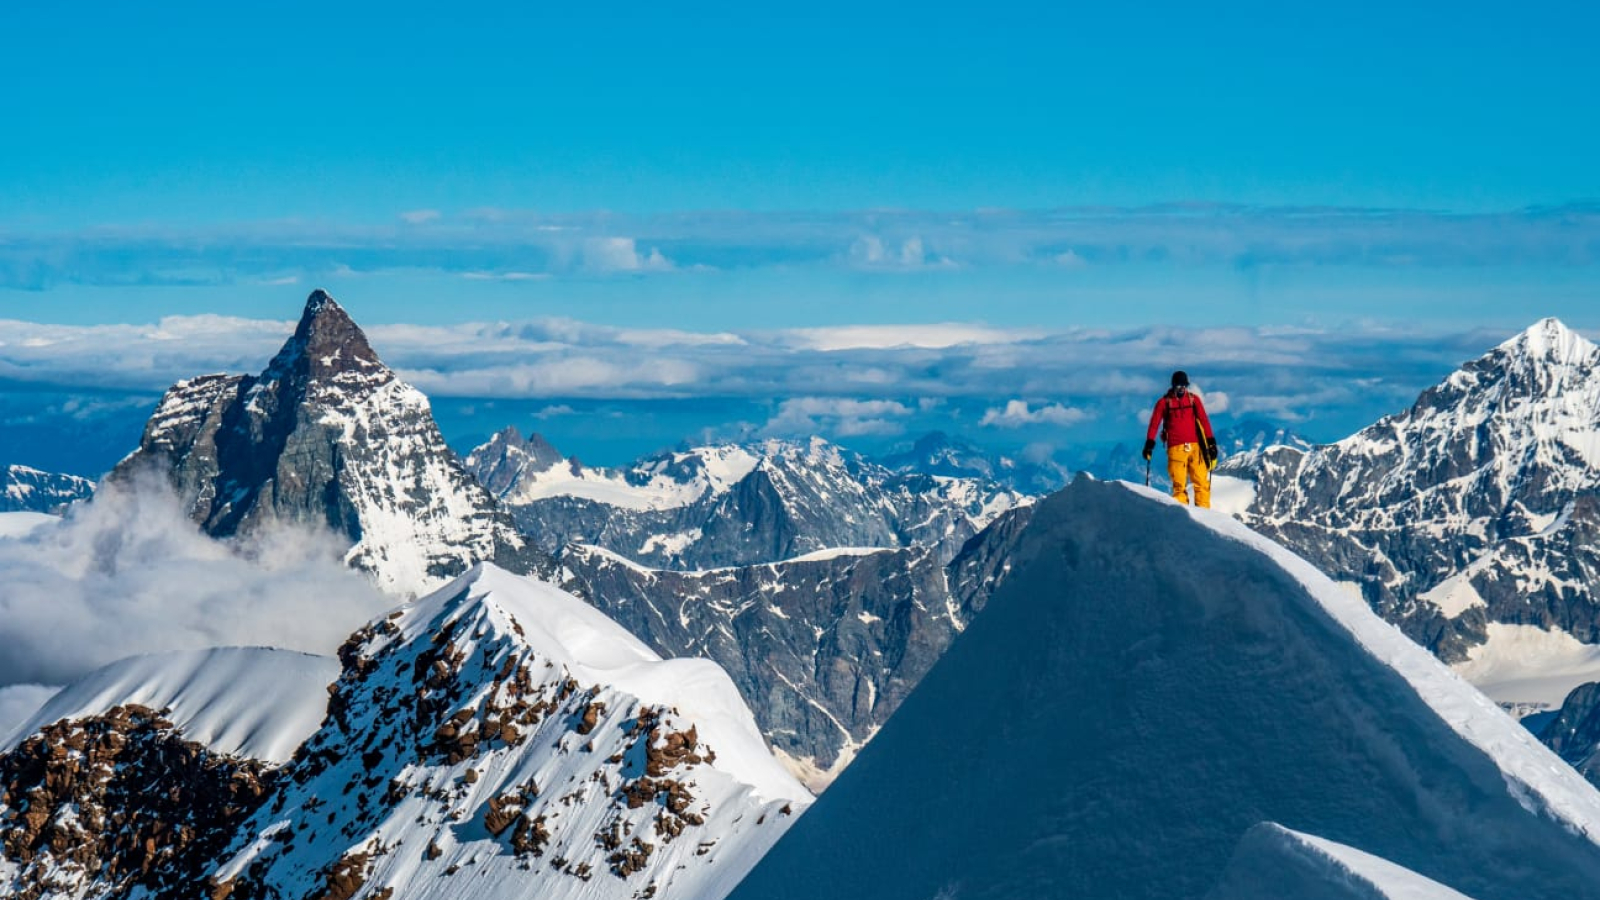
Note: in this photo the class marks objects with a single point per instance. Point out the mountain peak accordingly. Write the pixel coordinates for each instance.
(1552, 340)
(320, 298)
(327, 339)
(328, 433)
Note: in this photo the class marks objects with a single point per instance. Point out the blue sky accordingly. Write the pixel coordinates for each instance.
(1407, 184)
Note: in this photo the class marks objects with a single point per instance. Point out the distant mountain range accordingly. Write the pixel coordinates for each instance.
(24, 489)
(824, 647)
(1471, 520)
(741, 504)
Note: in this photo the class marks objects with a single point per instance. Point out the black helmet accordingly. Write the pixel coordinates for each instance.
(1180, 377)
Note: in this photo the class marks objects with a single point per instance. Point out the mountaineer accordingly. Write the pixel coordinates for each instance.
(1191, 443)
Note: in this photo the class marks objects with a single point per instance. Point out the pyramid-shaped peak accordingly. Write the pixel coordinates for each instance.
(1550, 339)
(326, 341)
(319, 300)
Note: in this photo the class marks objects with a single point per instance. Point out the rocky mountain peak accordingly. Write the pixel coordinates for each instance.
(325, 343)
(330, 436)
(508, 457)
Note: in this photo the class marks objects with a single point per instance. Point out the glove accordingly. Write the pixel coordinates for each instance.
(1149, 448)
(1211, 453)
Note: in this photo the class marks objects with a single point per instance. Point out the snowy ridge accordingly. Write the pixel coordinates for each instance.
(502, 738)
(22, 524)
(255, 702)
(519, 474)
(1159, 706)
(1537, 777)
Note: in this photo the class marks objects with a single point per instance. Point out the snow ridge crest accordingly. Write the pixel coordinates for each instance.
(1550, 339)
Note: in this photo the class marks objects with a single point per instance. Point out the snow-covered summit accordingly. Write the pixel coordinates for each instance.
(329, 435)
(1466, 502)
(325, 343)
(496, 738)
(506, 731)
(522, 470)
(1551, 340)
(1150, 683)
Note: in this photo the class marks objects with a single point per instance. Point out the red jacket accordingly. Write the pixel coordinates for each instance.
(1180, 415)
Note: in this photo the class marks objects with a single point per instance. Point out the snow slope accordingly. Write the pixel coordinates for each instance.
(1150, 683)
(1275, 863)
(501, 738)
(1526, 668)
(240, 701)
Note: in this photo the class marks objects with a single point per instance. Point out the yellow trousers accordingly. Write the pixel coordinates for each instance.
(1186, 463)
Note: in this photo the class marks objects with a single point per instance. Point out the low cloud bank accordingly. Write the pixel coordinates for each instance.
(128, 573)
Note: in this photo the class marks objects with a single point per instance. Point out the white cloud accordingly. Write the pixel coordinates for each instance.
(566, 375)
(419, 216)
(505, 276)
(1287, 374)
(1018, 413)
(128, 573)
(841, 417)
(873, 252)
(1215, 401)
(621, 254)
(933, 335)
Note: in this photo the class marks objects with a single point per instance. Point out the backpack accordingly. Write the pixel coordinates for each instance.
(1173, 406)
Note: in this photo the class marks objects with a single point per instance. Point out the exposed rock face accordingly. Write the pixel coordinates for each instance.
(116, 804)
(29, 490)
(1574, 733)
(1476, 505)
(328, 435)
(711, 507)
(499, 464)
(823, 649)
